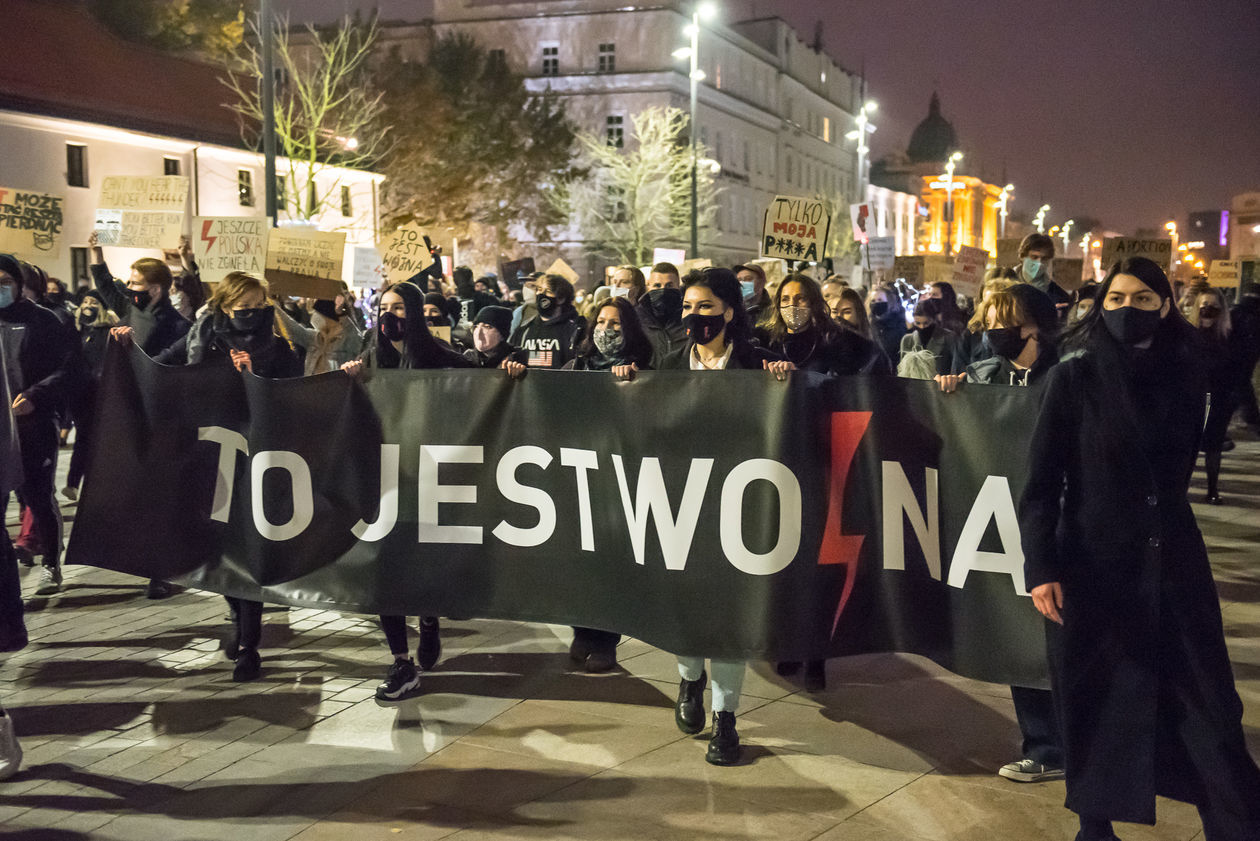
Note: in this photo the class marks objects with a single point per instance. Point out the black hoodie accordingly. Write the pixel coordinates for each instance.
(420, 349)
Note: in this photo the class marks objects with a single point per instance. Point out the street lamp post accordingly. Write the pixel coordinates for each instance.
(1067, 227)
(701, 11)
(268, 85)
(864, 127)
(1040, 219)
(949, 202)
(1002, 198)
(1171, 227)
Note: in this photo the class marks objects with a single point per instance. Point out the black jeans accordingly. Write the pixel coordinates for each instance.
(1034, 710)
(248, 618)
(596, 641)
(12, 623)
(395, 628)
(40, 439)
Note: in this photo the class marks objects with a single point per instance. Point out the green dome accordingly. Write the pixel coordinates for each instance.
(934, 138)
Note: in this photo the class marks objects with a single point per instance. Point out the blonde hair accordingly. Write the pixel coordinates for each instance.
(1008, 309)
(234, 287)
(1194, 295)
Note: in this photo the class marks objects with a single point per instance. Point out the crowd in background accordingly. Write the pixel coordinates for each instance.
(1126, 347)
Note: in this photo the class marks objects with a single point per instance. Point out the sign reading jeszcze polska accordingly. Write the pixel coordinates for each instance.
(30, 223)
(1120, 248)
(795, 229)
(226, 244)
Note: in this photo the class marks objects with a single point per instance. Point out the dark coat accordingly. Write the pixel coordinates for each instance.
(746, 355)
(42, 356)
(1105, 514)
(945, 345)
(666, 338)
(550, 344)
(271, 357)
(888, 333)
(156, 328)
(841, 353)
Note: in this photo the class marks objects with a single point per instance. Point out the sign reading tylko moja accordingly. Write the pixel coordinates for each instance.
(724, 514)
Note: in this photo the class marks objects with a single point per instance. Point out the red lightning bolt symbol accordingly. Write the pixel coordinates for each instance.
(205, 234)
(847, 429)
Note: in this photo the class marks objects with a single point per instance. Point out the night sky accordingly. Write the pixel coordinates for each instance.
(1134, 113)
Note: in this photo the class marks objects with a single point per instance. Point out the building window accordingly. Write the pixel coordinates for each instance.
(312, 198)
(170, 166)
(827, 129)
(282, 200)
(347, 207)
(551, 61)
(79, 266)
(76, 165)
(607, 58)
(718, 147)
(615, 130)
(245, 187)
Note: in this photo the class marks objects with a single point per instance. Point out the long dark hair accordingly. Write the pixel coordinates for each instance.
(1089, 333)
(637, 347)
(421, 350)
(723, 283)
(854, 299)
(819, 317)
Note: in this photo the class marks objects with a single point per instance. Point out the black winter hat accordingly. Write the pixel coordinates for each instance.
(500, 318)
(10, 266)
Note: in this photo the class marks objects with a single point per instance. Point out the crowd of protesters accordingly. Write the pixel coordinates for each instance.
(1142, 699)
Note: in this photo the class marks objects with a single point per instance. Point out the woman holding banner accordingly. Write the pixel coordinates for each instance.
(1114, 560)
(800, 329)
(717, 340)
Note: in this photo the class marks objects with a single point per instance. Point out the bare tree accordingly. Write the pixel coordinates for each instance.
(326, 109)
(637, 191)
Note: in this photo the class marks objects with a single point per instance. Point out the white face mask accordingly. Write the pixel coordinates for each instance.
(528, 295)
(619, 291)
(177, 300)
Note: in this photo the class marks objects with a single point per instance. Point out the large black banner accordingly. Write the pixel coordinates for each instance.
(724, 515)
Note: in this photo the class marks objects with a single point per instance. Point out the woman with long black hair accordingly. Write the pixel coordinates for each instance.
(1115, 561)
(800, 329)
(1204, 307)
(402, 340)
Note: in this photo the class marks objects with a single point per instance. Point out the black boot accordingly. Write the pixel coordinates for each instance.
(816, 675)
(430, 649)
(1212, 464)
(724, 745)
(248, 666)
(689, 711)
(787, 668)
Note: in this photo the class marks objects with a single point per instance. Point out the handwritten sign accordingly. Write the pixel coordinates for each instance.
(142, 211)
(305, 263)
(1225, 274)
(881, 253)
(406, 253)
(969, 266)
(1008, 252)
(226, 244)
(560, 267)
(860, 216)
(369, 271)
(910, 269)
(30, 224)
(795, 229)
(1120, 248)
(668, 255)
(1068, 272)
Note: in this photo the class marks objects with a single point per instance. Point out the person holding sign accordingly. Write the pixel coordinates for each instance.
(718, 339)
(333, 338)
(143, 302)
(1114, 561)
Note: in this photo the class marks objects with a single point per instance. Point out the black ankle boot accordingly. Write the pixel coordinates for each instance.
(816, 675)
(689, 711)
(724, 745)
(430, 644)
(248, 666)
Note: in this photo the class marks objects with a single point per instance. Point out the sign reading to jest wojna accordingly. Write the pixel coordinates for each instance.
(795, 229)
(30, 223)
(406, 254)
(142, 211)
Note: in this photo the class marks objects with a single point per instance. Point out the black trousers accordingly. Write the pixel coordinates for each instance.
(596, 641)
(1034, 710)
(40, 439)
(395, 628)
(248, 618)
(12, 623)
(84, 426)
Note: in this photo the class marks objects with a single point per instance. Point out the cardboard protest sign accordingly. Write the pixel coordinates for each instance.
(693, 265)
(369, 272)
(406, 253)
(968, 271)
(226, 244)
(30, 224)
(565, 271)
(509, 269)
(304, 262)
(860, 215)
(142, 211)
(1008, 252)
(909, 268)
(795, 229)
(1068, 273)
(1118, 248)
(1225, 274)
(668, 255)
(881, 252)
(774, 268)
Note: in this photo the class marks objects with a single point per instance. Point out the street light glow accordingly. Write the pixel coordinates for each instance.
(690, 30)
(699, 75)
(707, 11)
(682, 52)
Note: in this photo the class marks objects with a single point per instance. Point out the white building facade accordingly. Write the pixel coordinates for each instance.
(772, 110)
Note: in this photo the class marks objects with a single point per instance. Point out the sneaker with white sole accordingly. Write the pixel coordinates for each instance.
(70, 492)
(49, 581)
(1030, 771)
(401, 681)
(10, 750)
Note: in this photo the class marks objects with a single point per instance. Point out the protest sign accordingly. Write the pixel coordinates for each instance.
(226, 244)
(860, 215)
(1225, 274)
(968, 273)
(795, 229)
(909, 268)
(368, 269)
(509, 269)
(1067, 272)
(881, 253)
(693, 265)
(406, 254)
(142, 211)
(30, 224)
(668, 255)
(559, 267)
(1119, 248)
(305, 263)
(1008, 253)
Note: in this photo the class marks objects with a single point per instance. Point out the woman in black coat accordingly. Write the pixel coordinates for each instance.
(800, 329)
(1227, 366)
(1114, 559)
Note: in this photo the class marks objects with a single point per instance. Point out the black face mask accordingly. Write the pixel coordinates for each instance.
(879, 309)
(925, 333)
(56, 299)
(140, 298)
(1130, 325)
(545, 303)
(393, 328)
(1209, 312)
(87, 316)
(253, 321)
(703, 329)
(665, 303)
(328, 309)
(1006, 341)
(437, 321)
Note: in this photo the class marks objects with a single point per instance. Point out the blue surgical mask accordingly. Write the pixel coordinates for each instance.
(748, 289)
(6, 296)
(1032, 268)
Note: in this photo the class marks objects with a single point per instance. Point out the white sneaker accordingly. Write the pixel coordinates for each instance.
(10, 750)
(70, 493)
(49, 581)
(1030, 771)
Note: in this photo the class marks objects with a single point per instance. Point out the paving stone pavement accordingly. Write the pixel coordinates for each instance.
(133, 729)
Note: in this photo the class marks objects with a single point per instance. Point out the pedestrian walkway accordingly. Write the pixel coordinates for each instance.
(133, 729)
